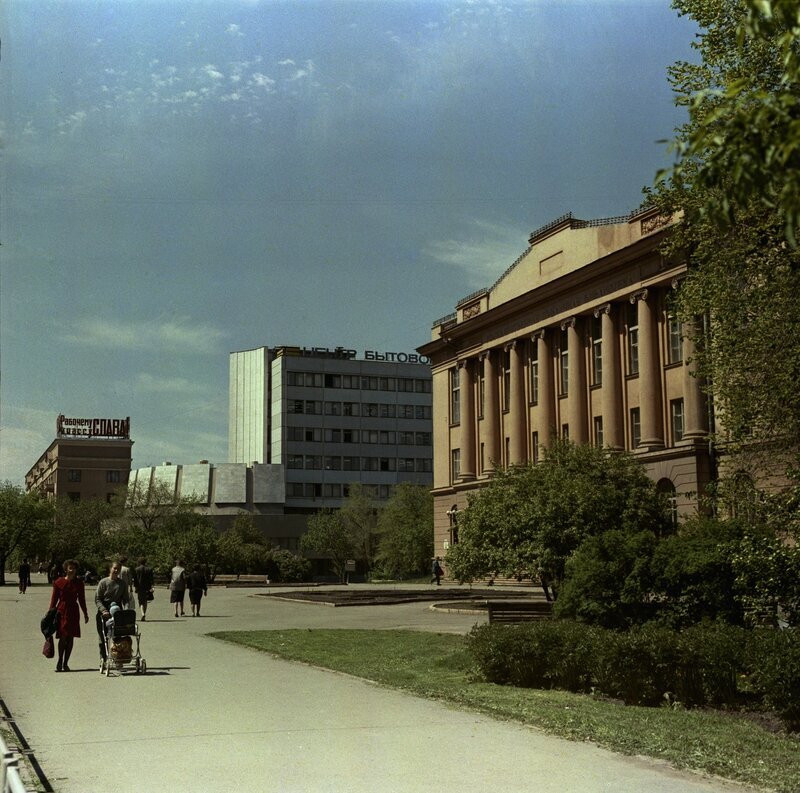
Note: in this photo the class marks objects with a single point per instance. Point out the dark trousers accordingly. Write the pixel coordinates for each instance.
(101, 632)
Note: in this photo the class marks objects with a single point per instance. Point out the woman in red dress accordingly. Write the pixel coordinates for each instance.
(68, 595)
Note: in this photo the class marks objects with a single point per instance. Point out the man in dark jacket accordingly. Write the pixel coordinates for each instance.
(111, 589)
(143, 584)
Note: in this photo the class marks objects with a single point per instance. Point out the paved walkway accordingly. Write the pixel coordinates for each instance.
(209, 716)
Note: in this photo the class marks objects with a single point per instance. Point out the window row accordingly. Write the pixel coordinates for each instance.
(318, 462)
(331, 435)
(415, 385)
(312, 407)
(112, 477)
(334, 490)
(674, 350)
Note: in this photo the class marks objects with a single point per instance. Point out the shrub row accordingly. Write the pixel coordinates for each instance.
(708, 664)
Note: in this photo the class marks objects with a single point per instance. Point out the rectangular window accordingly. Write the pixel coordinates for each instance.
(370, 410)
(423, 465)
(633, 339)
(535, 447)
(333, 381)
(675, 330)
(405, 438)
(350, 381)
(294, 489)
(676, 409)
(406, 465)
(333, 463)
(481, 388)
(351, 463)
(483, 458)
(112, 477)
(313, 434)
(422, 411)
(349, 436)
(565, 431)
(597, 352)
(333, 408)
(388, 411)
(422, 386)
(534, 368)
(387, 463)
(598, 431)
(405, 384)
(333, 436)
(350, 409)
(312, 408)
(387, 436)
(312, 489)
(405, 411)
(369, 463)
(636, 428)
(563, 359)
(332, 491)
(386, 383)
(313, 462)
(455, 464)
(424, 439)
(455, 396)
(73, 475)
(294, 461)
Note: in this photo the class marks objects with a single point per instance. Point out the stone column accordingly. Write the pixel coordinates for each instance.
(694, 400)
(576, 396)
(467, 426)
(547, 392)
(489, 427)
(517, 406)
(613, 427)
(650, 409)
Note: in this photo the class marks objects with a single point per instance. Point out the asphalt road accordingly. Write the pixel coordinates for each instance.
(209, 716)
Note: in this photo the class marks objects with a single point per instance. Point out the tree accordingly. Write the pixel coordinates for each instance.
(742, 143)
(360, 519)
(328, 536)
(529, 519)
(25, 518)
(737, 187)
(243, 547)
(405, 527)
(78, 532)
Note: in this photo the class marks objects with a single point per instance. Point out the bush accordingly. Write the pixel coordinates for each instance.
(720, 652)
(774, 665)
(287, 567)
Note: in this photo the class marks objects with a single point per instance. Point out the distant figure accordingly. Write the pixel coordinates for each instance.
(436, 571)
(111, 589)
(24, 576)
(126, 574)
(68, 595)
(197, 588)
(177, 586)
(143, 583)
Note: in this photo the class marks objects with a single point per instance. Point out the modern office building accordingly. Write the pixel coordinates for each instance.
(89, 459)
(331, 418)
(576, 340)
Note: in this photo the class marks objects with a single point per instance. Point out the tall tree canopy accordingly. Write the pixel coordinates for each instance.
(737, 186)
(529, 519)
(405, 526)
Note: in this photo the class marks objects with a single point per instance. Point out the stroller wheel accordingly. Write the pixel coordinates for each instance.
(143, 666)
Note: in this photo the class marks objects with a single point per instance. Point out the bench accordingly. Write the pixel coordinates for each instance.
(507, 611)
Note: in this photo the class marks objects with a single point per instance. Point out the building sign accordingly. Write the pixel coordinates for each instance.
(93, 428)
(368, 355)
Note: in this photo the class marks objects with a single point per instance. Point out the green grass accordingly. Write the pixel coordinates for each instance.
(438, 666)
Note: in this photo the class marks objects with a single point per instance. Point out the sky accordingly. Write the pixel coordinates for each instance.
(179, 180)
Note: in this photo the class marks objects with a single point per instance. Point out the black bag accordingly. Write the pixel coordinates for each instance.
(49, 650)
(150, 595)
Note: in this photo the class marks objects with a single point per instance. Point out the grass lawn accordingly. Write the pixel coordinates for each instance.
(438, 666)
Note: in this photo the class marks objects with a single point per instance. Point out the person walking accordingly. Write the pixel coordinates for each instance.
(68, 595)
(177, 586)
(143, 584)
(436, 571)
(111, 589)
(24, 576)
(126, 575)
(197, 588)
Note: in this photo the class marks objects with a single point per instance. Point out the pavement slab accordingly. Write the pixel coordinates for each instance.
(212, 716)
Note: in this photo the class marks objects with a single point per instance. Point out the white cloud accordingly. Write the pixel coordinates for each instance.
(483, 253)
(286, 62)
(211, 71)
(165, 385)
(260, 80)
(174, 336)
(234, 30)
(25, 433)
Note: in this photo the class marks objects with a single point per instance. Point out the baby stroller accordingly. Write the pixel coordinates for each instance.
(122, 643)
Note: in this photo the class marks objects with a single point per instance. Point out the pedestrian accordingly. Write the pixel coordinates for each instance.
(177, 586)
(436, 571)
(68, 596)
(143, 583)
(24, 576)
(197, 588)
(126, 574)
(111, 589)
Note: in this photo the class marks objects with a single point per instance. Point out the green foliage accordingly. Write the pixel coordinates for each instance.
(286, 567)
(359, 516)
(775, 672)
(529, 519)
(693, 575)
(242, 548)
(609, 581)
(327, 536)
(405, 528)
(737, 187)
(25, 520)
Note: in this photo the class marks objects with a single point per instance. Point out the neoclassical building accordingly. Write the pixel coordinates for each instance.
(575, 339)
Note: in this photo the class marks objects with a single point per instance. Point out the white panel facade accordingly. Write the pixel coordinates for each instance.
(195, 482)
(248, 429)
(231, 483)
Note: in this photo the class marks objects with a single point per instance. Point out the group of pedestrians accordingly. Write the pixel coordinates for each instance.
(123, 587)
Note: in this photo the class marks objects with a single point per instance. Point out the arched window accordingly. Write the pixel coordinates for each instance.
(666, 487)
(452, 515)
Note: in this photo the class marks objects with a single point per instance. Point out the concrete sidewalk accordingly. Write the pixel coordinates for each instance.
(209, 716)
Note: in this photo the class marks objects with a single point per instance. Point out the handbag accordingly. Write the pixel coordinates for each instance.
(150, 595)
(49, 650)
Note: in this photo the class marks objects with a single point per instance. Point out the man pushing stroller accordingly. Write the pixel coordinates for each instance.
(111, 589)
